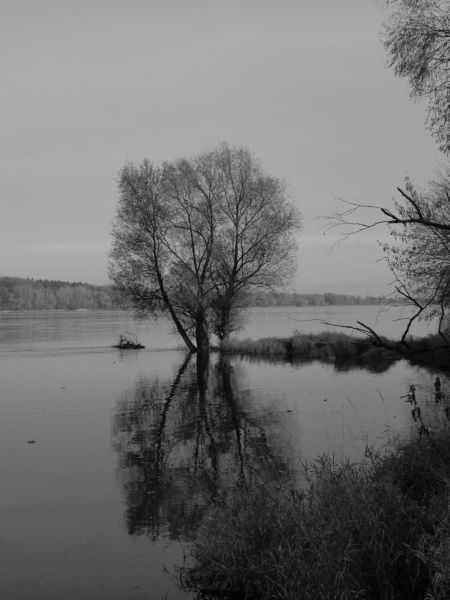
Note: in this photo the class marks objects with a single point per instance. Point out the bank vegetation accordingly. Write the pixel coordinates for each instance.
(375, 529)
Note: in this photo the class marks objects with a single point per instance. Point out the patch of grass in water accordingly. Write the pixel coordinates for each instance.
(323, 346)
(337, 346)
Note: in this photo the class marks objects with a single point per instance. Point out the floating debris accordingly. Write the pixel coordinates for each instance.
(128, 342)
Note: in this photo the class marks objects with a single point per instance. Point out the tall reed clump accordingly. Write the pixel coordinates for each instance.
(326, 346)
(262, 347)
(376, 530)
(337, 346)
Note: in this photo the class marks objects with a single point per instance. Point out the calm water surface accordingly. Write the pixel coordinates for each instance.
(109, 460)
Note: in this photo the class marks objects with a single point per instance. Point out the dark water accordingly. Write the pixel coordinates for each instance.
(109, 460)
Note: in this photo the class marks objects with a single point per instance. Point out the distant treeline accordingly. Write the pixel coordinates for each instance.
(295, 299)
(37, 294)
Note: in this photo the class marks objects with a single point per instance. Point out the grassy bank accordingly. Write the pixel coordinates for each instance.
(334, 346)
(326, 345)
(375, 530)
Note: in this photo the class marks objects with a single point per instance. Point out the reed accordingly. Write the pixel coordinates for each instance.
(325, 345)
(378, 529)
(336, 346)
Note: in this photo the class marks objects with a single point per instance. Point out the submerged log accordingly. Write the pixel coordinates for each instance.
(128, 342)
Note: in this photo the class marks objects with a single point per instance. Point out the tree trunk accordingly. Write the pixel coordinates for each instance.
(180, 328)
(226, 332)
(173, 314)
(202, 335)
(223, 330)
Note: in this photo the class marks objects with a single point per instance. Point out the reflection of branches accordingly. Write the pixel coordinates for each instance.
(162, 425)
(202, 383)
(225, 371)
(181, 444)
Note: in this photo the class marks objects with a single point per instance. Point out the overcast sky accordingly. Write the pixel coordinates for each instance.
(88, 85)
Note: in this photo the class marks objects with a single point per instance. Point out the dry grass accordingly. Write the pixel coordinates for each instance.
(376, 530)
(323, 346)
(340, 347)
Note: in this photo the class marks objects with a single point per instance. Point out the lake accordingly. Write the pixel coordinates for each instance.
(109, 459)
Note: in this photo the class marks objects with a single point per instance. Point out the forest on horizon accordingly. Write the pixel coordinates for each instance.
(18, 293)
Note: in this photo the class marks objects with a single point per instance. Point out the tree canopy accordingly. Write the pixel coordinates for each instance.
(419, 255)
(417, 40)
(192, 236)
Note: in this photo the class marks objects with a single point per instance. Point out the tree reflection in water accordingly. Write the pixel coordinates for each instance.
(180, 444)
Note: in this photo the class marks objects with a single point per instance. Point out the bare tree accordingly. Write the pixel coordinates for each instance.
(193, 225)
(255, 246)
(419, 256)
(141, 261)
(191, 237)
(417, 40)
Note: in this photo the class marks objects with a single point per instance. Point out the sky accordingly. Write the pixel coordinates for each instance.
(90, 85)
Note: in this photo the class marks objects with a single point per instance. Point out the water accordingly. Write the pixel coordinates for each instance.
(109, 460)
